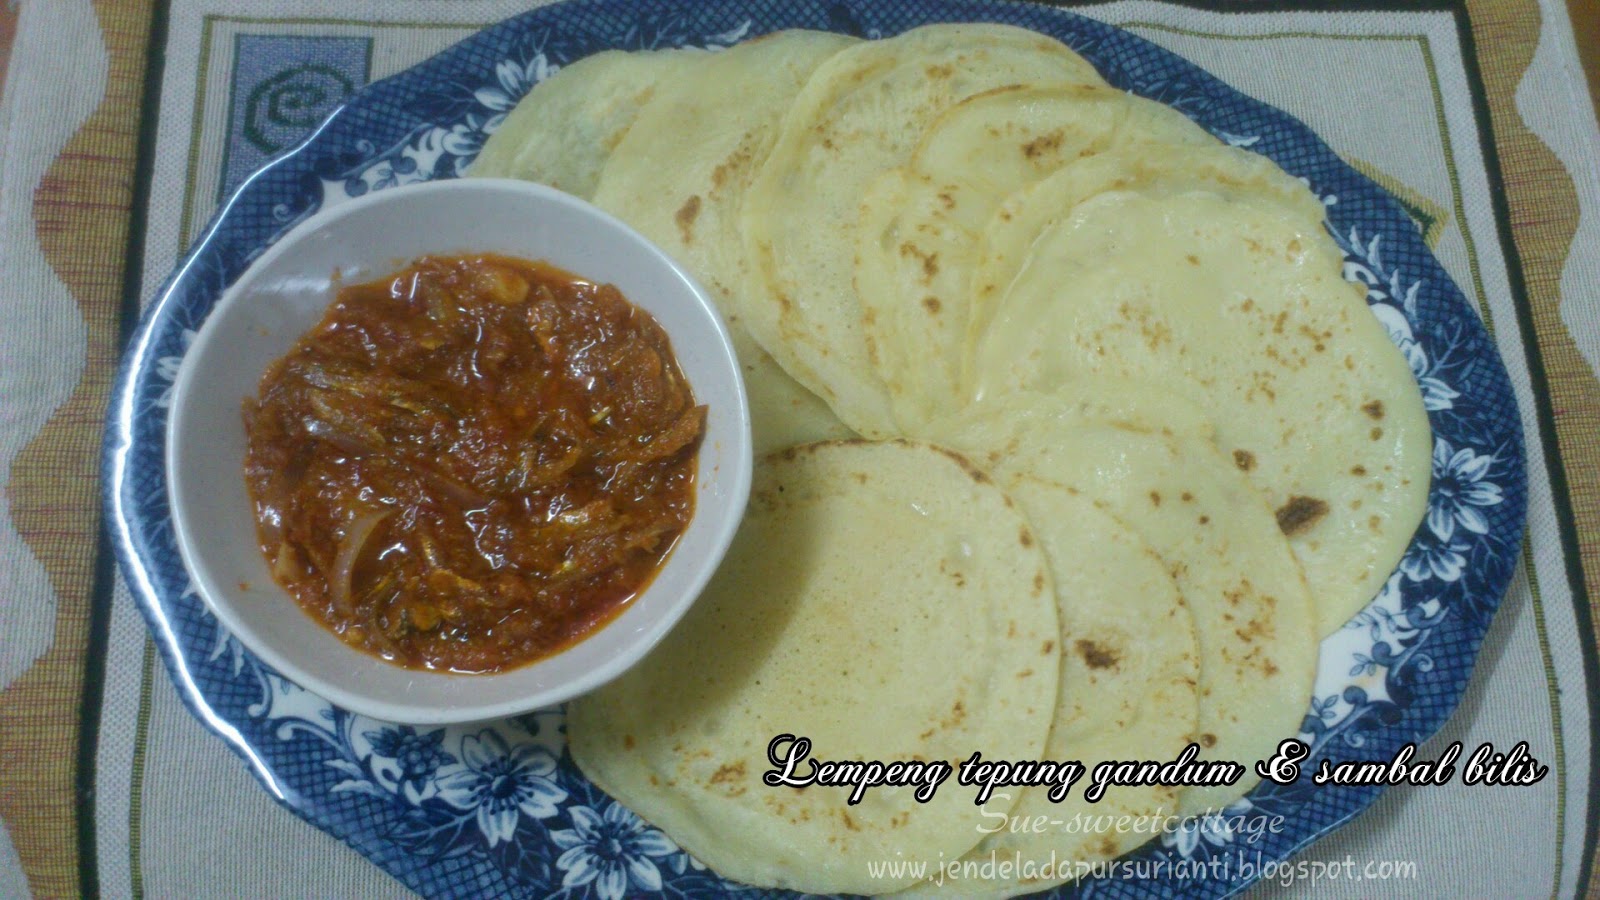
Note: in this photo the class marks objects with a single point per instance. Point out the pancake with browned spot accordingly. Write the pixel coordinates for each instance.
(1253, 614)
(885, 600)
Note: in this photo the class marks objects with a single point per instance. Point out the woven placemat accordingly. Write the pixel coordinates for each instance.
(86, 204)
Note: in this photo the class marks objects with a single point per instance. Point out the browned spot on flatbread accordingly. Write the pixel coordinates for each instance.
(1049, 646)
(1251, 632)
(1374, 410)
(735, 161)
(728, 772)
(1244, 459)
(685, 217)
(1358, 471)
(628, 742)
(1024, 538)
(1300, 514)
(931, 304)
(1155, 498)
(975, 473)
(930, 261)
(1042, 144)
(1096, 656)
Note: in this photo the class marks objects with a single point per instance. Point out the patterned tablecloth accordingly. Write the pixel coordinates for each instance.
(123, 123)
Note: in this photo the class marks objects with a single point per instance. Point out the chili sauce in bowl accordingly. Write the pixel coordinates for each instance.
(494, 443)
(472, 463)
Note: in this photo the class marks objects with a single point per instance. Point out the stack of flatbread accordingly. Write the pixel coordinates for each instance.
(1075, 441)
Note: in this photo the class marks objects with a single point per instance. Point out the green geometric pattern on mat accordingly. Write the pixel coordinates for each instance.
(1431, 218)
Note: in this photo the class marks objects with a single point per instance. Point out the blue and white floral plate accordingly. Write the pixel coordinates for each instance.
(499, 809)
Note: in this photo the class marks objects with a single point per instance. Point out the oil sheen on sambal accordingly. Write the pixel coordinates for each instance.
(473, 463)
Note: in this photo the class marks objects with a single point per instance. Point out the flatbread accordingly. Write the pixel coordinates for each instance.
(885, 600)
(1211, 275)
(862, 113)
(561, 133)
(1253, 613)
(923, 226)
(1174, 408)
(1129, 688)
(679, 176)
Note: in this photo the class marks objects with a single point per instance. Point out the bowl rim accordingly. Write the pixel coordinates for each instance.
(731, 501)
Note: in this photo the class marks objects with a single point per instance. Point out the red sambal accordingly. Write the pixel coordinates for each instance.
(473, 463)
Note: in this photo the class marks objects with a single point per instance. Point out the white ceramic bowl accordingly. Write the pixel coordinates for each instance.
(288, 289)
